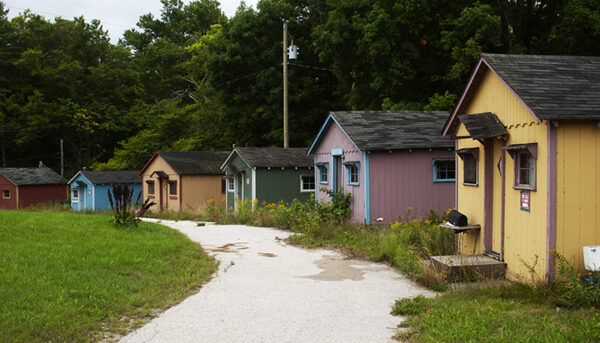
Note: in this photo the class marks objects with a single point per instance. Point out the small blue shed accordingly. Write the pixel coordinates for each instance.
(89, 188)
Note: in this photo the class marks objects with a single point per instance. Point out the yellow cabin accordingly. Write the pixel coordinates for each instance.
(527, 133)
(180, 180)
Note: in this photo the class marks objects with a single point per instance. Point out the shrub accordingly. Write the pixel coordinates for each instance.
(123, 207)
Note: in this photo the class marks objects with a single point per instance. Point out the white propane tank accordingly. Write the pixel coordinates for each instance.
(591, 258)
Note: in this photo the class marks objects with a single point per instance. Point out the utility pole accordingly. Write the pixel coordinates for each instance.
(286, 142)
(62, 159)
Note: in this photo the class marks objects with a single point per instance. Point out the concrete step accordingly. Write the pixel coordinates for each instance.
(469, 267)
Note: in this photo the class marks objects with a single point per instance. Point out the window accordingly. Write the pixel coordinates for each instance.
(223, 186)
(150, 186)
(231, 184)
(323, 173)
(524, 156)
(353, 175)
(470, 158)
(6, 193)
(307, 183)
(75, 193)
(444, 171)
(172, 187)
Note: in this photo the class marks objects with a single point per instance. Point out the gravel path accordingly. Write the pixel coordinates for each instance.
(269, 291)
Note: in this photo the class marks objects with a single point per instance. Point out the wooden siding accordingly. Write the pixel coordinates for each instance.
(399, 179)
(335, 138)
(9, 204)
(524, 232)
(161, 189)
(31, 195)
(276, 184)
(578, 189)
(198, 189)
(243, 190)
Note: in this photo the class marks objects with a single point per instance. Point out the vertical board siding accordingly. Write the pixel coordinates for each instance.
(525, 232)
(335, 138)
(31, 195)
(276, 184)
(578, 189)
(9, 204)
(197, 190)
(401, 179)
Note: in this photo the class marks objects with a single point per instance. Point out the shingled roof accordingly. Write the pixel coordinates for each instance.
(483, 125)
(273, 157)
(554, 87)
(193, 162)
(112, 176)
(388, 130)
(33, 176)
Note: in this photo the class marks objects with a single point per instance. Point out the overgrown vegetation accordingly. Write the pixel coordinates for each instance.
(125, 211)
(68, 277)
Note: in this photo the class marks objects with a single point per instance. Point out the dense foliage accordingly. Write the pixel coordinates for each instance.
(194, 79)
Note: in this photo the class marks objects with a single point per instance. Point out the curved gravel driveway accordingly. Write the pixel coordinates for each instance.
(269, 291)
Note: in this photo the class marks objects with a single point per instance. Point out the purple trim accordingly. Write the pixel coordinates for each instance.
(461, 101)
(551, 205)
(488, 197)
(503, 204)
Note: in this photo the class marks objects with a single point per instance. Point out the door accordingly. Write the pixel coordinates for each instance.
(337, 174)
(494, 170)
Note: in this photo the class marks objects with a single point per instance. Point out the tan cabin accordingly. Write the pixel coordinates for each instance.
(527, 133)
(184, 180)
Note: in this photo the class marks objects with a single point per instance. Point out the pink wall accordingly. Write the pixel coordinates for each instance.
(402, 179)
(335, 138)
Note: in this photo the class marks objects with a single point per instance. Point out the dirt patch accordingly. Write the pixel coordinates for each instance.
(230, 247)
(267, 254)
(339, 268)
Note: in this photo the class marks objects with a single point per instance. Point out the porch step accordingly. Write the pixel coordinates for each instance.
(469, 267)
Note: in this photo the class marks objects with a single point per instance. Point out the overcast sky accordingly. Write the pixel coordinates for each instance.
(116, 16)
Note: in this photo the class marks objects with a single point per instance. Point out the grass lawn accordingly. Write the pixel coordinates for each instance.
(496, 314)
(68, 277)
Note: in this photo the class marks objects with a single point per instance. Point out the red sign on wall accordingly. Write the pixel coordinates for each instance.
(525, 200)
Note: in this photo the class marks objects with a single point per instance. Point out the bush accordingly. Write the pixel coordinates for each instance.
(123, 207)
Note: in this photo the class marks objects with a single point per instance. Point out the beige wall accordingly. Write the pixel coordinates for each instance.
(161, 195)
(198, 189)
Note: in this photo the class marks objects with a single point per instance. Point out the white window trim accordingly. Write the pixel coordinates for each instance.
(302, 190)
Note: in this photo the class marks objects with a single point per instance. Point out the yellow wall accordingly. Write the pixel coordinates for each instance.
(525, 232)
(198, 189)
(159, 164)
(578, 189)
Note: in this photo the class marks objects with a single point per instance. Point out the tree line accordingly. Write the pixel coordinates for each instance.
(192, 79)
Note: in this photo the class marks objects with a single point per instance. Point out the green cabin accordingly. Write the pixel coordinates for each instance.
(268, 174)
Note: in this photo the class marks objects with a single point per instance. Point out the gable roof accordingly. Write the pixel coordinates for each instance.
(109, 176)
(192, 162)
(272, 157)
(483, 125)
(33, 176)
(389, 130)
(550, 87)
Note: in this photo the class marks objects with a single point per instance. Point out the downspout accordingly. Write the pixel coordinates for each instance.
(551, 201)
(502, 199)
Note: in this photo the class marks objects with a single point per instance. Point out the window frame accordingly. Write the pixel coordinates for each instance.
(516, 151)
(306, 190)
(148, 184)
(436, 162)
(325, 167)
(5, 192)
(172, 186)
(466, 154)
(349, 167)
(230, 185)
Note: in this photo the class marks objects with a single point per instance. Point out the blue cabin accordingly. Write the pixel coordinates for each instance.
(89, 188)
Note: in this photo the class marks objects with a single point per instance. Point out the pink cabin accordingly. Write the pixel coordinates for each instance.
(388, 161)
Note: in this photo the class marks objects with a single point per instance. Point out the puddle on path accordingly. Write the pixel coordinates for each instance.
(230, 247)
(267, 254)
(338, 268)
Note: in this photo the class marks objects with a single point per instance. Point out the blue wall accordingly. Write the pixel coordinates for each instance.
(95, 197)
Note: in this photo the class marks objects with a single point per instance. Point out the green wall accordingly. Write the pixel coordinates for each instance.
(275, 185)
